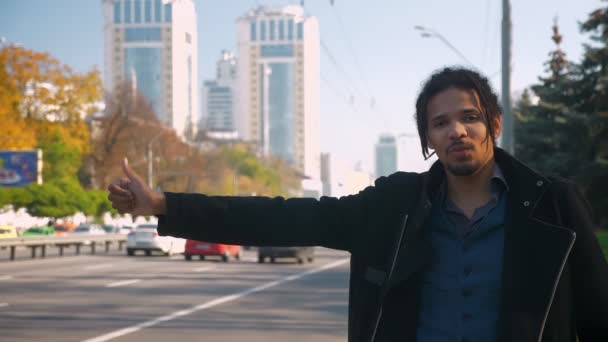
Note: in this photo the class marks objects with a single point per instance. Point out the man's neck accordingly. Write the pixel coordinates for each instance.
(471, 192)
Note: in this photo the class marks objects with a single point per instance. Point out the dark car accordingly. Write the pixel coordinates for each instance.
(301, 254)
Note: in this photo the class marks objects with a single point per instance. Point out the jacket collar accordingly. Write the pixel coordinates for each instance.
(527, 184)
(535, 250)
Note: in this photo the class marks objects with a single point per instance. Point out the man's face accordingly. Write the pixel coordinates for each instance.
(457, 132)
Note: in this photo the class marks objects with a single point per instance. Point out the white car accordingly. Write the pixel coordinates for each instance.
(145, 238)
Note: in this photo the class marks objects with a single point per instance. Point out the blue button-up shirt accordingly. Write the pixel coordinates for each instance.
(460, 290)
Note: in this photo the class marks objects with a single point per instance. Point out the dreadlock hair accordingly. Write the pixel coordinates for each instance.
(460, 78)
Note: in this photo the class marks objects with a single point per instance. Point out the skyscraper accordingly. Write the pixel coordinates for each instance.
(218, 96)
(386, 155)
(278, 85)
(152, 43)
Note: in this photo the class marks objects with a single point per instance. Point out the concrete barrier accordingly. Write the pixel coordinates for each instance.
(61, 242)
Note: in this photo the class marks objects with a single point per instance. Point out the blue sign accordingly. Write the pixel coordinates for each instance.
(19, 168)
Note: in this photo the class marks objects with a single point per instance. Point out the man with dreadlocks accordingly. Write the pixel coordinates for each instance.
(479, 248)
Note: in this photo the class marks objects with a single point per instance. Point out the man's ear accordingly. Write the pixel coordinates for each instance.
(497, 125)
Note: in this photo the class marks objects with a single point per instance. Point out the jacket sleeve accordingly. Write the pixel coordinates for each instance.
(259, 221)
(590, 270)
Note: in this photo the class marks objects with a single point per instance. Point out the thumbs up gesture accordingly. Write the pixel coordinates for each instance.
(132, 195)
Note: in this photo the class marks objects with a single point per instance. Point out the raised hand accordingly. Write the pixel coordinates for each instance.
(132, 195)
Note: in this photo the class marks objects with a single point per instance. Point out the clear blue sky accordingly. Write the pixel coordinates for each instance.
(392, 58)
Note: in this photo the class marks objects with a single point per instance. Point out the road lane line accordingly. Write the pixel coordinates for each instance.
(215, 302)
(2, 305)
(96, 267)
(202, 269)
(8, 277)
(123, 283)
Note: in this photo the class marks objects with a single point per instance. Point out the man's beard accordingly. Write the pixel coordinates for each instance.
(465, 169)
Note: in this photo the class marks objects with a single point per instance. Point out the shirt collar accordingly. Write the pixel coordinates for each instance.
(499, 177)
(498, 182)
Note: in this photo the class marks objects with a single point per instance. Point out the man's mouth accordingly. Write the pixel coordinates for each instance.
(460, 148)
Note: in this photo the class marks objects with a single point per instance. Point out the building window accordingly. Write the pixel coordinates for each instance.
(283, 50)
(263, 30)
(271, 29)
(117, 12)
(300, 31)
(290, 29)
(157, 8)
(142, 34)
(252, 31)
(143, 65)
(281, 29)
(127, 11)
(148, 10)
(168, 13)
(137, 10)
(188, 38)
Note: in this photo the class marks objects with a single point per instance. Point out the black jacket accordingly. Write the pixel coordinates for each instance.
(555, 278)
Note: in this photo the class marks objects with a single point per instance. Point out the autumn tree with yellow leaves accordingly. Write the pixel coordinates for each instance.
(41, 98)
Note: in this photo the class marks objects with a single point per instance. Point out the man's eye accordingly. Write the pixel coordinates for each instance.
(439, 123)
(471, 118)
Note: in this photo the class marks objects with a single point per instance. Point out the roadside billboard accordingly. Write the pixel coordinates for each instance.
(20, 167)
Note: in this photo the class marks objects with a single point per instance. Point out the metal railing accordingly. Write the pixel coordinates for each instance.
(61, 242)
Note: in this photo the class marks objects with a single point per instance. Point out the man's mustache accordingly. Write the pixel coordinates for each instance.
(460, 145)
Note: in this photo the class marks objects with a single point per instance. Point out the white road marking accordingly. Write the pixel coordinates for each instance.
(123, 283)
(215, 302)
(8, 277)
(202, 269)
(2, 305)
(96, 267)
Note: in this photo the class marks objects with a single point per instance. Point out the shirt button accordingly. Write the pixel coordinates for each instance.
(466, 317)
(465, 339)
(526, 203)
(466, 293)
(539, 183)
(467, 271)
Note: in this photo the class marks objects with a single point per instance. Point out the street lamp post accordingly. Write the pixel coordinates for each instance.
(149, 147)
(427, 32)
(507, 131)
(149, 153)
(266, 112)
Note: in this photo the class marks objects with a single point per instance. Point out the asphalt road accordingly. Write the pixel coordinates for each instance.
(112, 297)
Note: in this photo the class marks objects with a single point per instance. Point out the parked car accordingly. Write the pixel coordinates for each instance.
(39, 231)
(7, 232)
(112, 229)
(63, 228)
(90, 229)
(145, 238)
(302, 254)
(205, 249)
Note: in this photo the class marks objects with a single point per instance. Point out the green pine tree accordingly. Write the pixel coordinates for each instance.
(592, 89)
(549, 132)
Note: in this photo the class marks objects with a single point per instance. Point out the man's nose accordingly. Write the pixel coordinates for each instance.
(457, 130)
